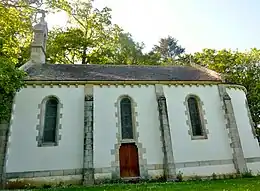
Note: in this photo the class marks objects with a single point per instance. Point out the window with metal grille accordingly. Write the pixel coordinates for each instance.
(50, 121)
(195, 118)
(126, 118)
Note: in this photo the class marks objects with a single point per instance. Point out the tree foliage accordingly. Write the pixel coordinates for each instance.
(126, 51)
(88, 35)
(11, 80)
(238, 68)
(15, 33)
(91, 38)
(169, 49)
(15, 37)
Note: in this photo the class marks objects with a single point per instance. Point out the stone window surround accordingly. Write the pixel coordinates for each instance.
(41, 118)
(132, 137)
(134, 114)
(202, 118)
(142, 162)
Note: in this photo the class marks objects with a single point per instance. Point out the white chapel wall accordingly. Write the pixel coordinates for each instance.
(23, 152)
(105, 124)
(250, 144)
(215, 148)
(25, 155)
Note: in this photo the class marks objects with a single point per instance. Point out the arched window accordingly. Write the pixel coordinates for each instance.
(195, 117)
(50, 121)
(126, 118)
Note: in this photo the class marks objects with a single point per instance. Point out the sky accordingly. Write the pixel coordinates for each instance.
(196, 24)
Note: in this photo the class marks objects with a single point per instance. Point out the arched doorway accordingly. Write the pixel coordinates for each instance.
(129, 163)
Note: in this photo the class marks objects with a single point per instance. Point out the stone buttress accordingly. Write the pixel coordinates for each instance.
(169, 166)
(235, 142)
(88, 166)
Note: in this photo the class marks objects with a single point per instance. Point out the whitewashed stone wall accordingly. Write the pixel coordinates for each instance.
(24, 155)
(203, 156)
(192, 157)
(106, 129)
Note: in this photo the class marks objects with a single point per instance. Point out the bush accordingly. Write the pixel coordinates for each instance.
(247, 174)
(196, 178)
(179, 177)
(17, 184)
(214, 176)
(45, 186)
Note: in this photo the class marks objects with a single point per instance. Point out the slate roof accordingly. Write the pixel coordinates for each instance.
(66, 72)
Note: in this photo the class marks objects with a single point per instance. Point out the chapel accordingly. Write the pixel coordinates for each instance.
(87, 123)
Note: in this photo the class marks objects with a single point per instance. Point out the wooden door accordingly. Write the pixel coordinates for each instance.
(129, 164)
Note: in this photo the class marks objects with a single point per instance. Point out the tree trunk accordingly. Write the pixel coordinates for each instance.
(84, 56)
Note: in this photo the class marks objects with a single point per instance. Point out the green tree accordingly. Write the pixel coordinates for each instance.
(125, 50)
(15, 33)
(11, 80)
(151, 58)
(15, 37)
(16, 19)
(169, 49)
(238, 68)
(91, 38)
(88, 34)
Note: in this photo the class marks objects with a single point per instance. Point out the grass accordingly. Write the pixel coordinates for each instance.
(245, 184)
